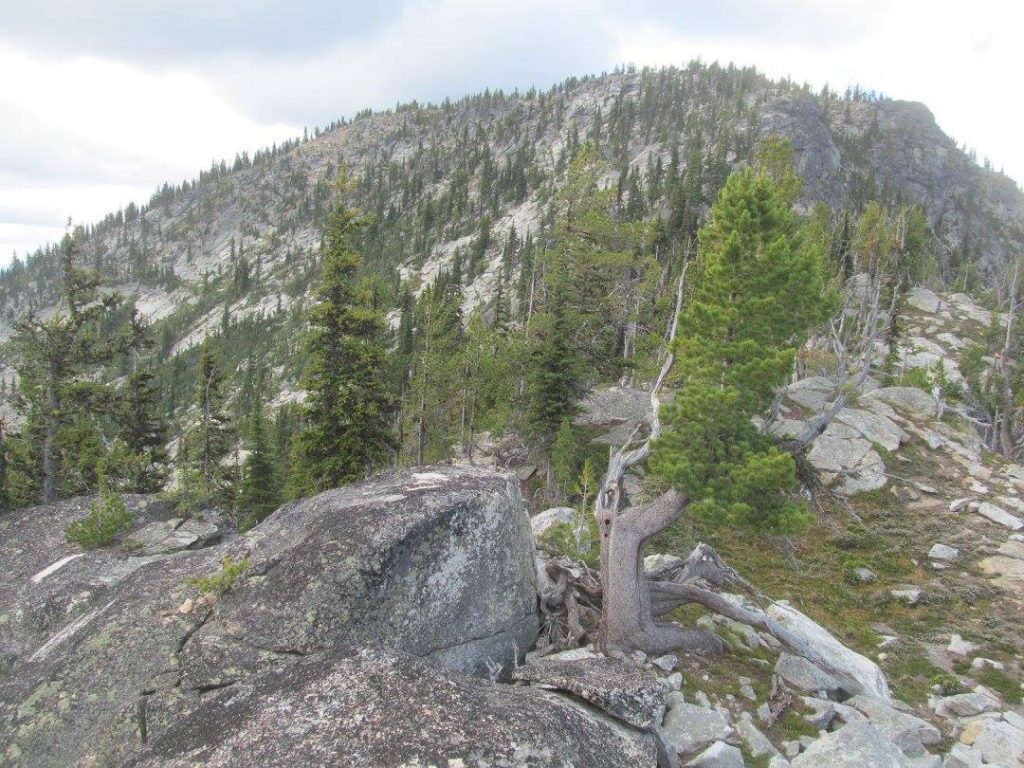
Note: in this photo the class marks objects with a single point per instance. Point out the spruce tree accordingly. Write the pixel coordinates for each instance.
(349, 408)
(259, 491)
(758, 291)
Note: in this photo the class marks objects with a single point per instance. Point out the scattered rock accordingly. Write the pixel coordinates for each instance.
(549, 518)
(960, 647)
(718, 755)
(689, 727)
(911, 401)
(943, 552)
(666, 663)
(981, 663)
(864, 575)
(911, 734)
(966, 704)
(999, 515)
(757, 743)
(908, 593)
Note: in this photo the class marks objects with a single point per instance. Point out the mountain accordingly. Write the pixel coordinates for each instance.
(237, 248)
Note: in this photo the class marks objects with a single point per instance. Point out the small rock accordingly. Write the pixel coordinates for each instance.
(966, 705)
(791, 748)
(748, 692)
(887, 641)
(764, 712)
(666, 663)
(778, 761)
(943, 552)
(980, 663)
(674, 681)
(702, 699)
(909, 594)
(864, 575)
(718, 755)
(1000, 516)
(960, 647)
(960, 504)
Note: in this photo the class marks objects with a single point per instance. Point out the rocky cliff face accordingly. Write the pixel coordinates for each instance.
(430, 175)
(106, 651)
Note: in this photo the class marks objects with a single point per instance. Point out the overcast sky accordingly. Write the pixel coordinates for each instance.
(102, 102)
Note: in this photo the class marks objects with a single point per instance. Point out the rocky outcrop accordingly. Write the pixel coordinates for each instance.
(436, 564)
(382, 708)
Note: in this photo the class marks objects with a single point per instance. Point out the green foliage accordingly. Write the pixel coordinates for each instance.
(564, 456)
(259, 491)
(349, 407)
(221, 581)
(759, 288)
(108, 518)
(1001, 683)
(205, 448)
(949, 685)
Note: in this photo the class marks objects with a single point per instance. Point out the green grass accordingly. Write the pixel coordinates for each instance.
(221, 581)
(1001, 683)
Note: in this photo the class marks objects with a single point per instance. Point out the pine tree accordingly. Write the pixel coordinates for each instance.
(554, 378)
(349, 408)
(209, 442)
(259, 491)
(55, 360)
(142, 467)
(759, 288)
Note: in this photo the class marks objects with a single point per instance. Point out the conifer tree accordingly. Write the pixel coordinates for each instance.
(758, 292)
(142, 464)
(54, 359)
(259, 490)
(349, 409)
(209, 442)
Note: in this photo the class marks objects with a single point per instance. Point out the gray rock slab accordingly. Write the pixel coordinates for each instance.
(1000, 742)
(857, 745)
(802, 674)
(437, 563)
(382, 708)
(911, 734)
(857, 671)
(999, 515)
(620, 689)
(910, 401)
(689, 727)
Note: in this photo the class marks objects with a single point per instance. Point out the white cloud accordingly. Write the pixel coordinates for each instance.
(81, 136)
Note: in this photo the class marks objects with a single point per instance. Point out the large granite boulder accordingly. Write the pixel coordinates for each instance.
(434, 563)
(381, 708)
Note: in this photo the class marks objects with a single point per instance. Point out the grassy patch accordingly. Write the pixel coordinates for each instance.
(1001, 683)
(221, 581)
